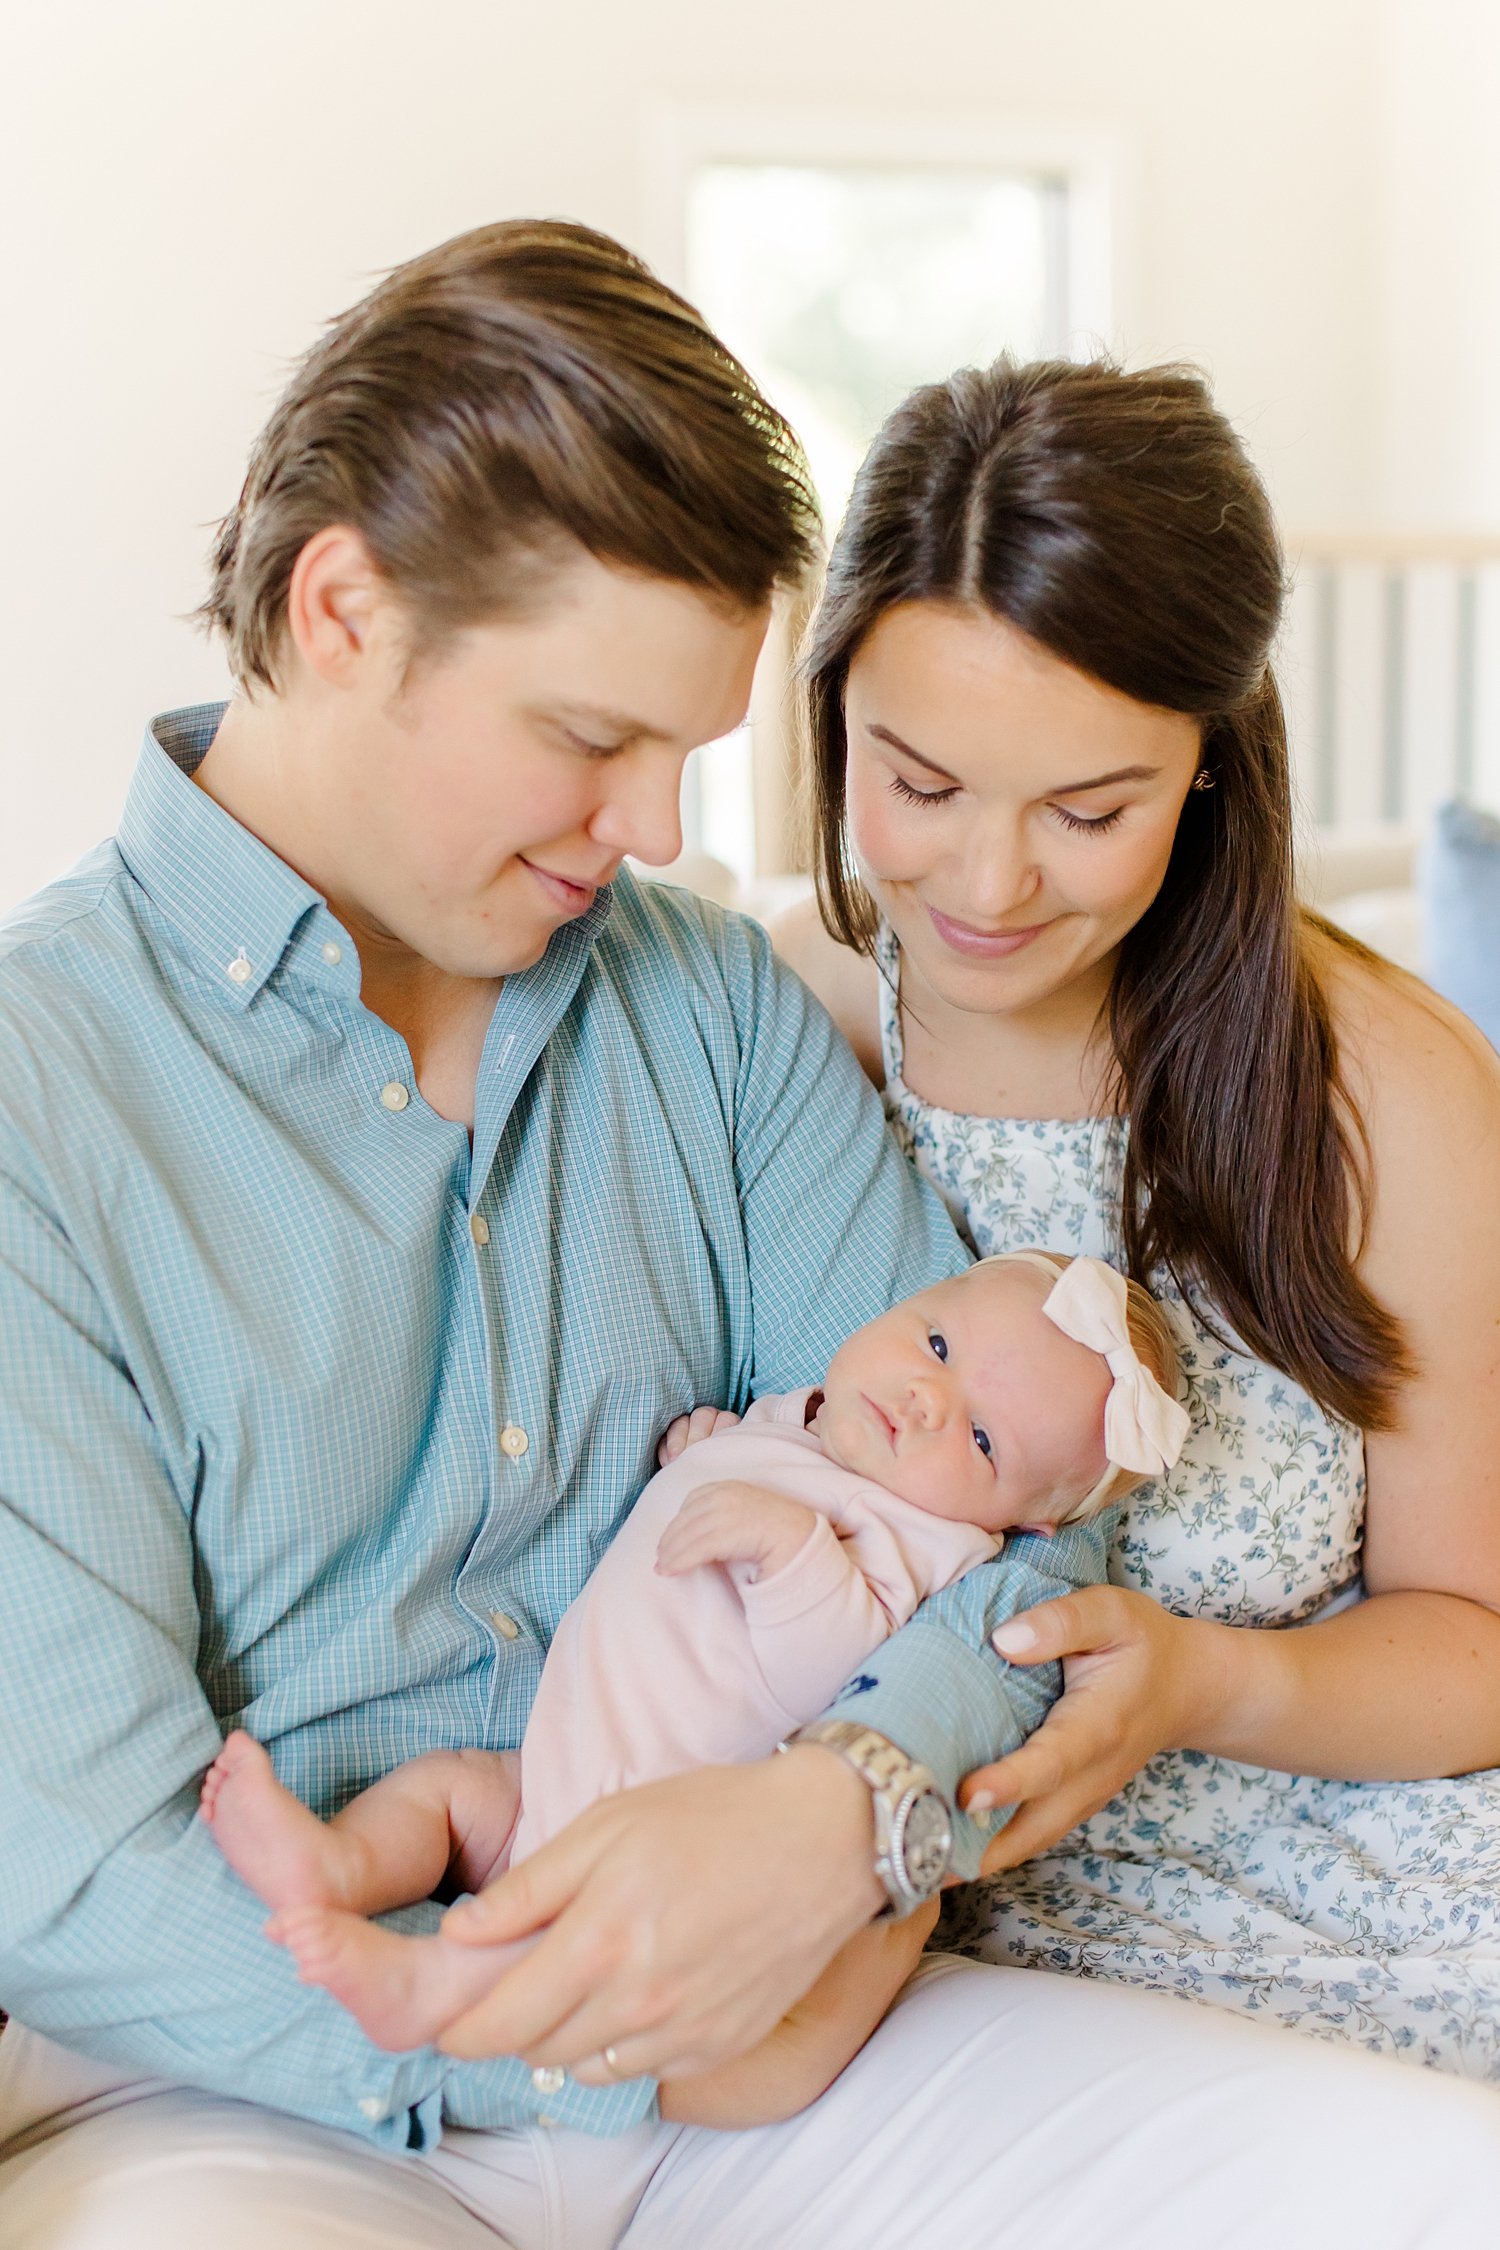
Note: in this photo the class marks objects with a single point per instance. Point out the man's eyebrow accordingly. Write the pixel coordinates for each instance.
(1062, 789)
(627, 724)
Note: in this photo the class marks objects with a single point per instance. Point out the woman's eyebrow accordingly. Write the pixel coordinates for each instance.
(1062, 789)
(1106, 780)
(929, 765)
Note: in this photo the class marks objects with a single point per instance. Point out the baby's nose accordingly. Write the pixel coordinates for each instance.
(927, 1403)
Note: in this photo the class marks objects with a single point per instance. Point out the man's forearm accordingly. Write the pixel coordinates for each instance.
(814, 2041)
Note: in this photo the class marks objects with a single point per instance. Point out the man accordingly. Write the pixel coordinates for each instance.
(381, 1168)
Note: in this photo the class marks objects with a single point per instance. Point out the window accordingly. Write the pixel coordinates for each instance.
(846, 260)
(842, 287)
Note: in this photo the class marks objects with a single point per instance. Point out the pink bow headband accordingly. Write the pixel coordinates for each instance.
(1144, 1429)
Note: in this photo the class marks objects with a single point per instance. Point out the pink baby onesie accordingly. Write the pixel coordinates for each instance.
(649, 1676)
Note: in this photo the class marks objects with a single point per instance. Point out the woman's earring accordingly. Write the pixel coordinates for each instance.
(1203, 779)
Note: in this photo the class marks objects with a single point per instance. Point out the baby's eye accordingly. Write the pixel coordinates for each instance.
(981, 1439)
(938, 1343)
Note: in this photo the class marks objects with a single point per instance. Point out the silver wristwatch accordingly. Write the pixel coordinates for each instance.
(913, 1826)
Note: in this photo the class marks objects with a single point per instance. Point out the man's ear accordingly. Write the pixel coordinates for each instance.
(338, 607)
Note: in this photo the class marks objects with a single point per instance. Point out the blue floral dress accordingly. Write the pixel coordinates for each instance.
(1366, 1912)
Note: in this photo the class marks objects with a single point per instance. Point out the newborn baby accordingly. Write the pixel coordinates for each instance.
(757, 1569)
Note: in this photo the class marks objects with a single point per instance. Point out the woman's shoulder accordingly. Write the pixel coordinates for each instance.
(1408, 1056)
(845, 981)
(1425, 1086)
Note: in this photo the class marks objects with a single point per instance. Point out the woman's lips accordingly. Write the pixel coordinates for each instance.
(572, 898)
(981, 945)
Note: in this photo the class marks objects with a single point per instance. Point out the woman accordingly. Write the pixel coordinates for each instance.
(1058, 925)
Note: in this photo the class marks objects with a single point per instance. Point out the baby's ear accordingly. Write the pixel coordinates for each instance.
(1038, 1530)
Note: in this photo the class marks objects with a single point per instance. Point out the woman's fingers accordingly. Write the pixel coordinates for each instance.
(1032, 1771)
(1043, 1822)
(1071, 1625)
(1080, 1731)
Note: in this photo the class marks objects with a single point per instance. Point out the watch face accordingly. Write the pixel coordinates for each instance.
(923, 1844)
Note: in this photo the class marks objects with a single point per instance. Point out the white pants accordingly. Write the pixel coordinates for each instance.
(994, 2108)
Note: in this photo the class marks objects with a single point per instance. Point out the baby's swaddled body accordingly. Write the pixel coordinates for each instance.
(649, 1675)
(757, 1572)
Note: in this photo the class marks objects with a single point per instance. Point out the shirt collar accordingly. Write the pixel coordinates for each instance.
(236, 906)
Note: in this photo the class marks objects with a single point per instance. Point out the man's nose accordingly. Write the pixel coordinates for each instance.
(642, 813)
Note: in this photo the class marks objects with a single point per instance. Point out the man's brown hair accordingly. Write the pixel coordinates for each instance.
(527, 386)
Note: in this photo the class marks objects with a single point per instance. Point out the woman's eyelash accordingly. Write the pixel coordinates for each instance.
(904, 789)
(1098, 827)
(909, 795)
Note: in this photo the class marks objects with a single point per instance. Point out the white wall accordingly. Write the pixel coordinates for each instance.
(1440, 339)
(188, 189)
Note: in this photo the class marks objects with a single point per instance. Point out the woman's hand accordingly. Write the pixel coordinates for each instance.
(677, 1923)
(1136, 1681)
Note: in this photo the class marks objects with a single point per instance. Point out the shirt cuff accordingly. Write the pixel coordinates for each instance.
(951, 1707)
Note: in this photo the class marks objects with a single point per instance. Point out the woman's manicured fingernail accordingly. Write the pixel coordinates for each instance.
(1014, 1638)
(981, 1801)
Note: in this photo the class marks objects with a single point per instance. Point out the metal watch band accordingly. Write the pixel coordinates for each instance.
(913, 1828)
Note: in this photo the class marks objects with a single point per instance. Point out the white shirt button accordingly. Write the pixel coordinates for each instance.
(239, 970)
(372, 2107)
(479, 1227)
(513, 1440)
(548, 2078)
(551, 2123)
(505, 1626)
(332, 953)
(395, 1095)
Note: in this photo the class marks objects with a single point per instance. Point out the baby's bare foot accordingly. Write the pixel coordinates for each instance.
(403, 1991)
(272, 1842)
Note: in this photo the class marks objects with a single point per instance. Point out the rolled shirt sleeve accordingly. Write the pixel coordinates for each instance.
(941, 1693)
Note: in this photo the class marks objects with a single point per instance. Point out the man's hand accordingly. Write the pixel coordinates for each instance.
(679, 1922)
(692, 1429)
(735, 1523)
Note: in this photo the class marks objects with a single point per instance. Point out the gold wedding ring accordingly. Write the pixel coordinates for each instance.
(612, 2063)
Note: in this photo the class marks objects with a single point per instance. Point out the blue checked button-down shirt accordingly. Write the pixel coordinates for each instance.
(312, 1420)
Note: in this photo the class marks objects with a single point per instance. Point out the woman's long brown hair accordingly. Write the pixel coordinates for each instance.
(1116, 519)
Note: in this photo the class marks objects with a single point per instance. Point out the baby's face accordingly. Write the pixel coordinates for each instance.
(966, 1401)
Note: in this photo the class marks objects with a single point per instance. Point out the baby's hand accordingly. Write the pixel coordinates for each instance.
(690, 1429)
(734, 1523)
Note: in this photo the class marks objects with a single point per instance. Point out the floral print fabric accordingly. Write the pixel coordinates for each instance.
(1361, 1911)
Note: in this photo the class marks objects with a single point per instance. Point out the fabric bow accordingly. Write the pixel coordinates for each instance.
(1144, 1430)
